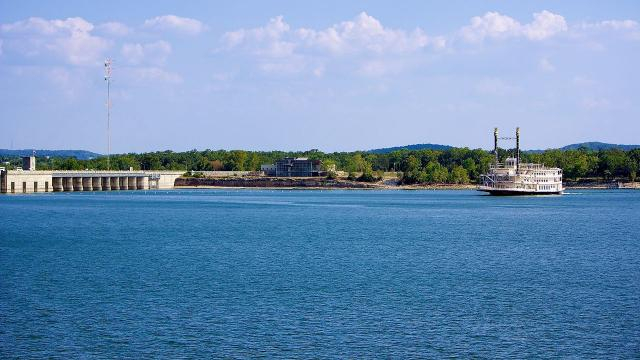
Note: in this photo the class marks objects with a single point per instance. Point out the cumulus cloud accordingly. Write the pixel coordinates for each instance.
(280, 48)
(273, 39)
(114, 28)
(494, 25)
(175, 23)
(151, 53)
(362, 34)
(545, 25)
(48, 27)
(69, 39)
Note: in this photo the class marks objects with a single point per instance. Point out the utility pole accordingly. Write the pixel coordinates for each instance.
(107, 78)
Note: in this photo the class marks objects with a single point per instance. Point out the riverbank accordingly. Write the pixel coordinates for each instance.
(307, 183)
(323, 183)
(599, 184)
(269, 182)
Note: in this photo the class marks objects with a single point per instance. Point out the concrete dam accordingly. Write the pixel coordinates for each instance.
(33, 181)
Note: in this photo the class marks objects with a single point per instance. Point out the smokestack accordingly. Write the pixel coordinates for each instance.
(495, 143)
(517, 149)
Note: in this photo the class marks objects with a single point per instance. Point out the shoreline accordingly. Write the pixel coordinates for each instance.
(388, 184)
(307, 183)
(382, 187)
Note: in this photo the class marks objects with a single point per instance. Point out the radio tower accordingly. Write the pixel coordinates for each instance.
(107, 78)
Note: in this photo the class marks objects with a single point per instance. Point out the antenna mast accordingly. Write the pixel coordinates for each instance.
(517, 149)
(495, 144)
(107, 78)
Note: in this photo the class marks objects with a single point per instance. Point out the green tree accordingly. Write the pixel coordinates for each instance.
(614, 161)
(436, 173)
(236, 160)
(459, 175)
(412, 163)
(412, 173)
(472, 169)
(575, 164)
(253, 163)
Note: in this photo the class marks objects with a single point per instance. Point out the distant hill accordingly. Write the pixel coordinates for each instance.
(78, 154)
(594, 145)
(411, 147)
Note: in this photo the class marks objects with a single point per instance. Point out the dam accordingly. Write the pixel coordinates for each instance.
(28, 180)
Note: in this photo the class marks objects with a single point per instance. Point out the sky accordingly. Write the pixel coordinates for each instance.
(328, 75)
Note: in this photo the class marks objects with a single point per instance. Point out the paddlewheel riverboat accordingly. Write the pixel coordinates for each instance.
(515, 178)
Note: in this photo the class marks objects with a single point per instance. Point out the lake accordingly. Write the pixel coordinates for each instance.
(320, 274)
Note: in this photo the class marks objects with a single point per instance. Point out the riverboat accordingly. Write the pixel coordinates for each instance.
(515, 178)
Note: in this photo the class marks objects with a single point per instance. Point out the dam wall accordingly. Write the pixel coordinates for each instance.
(32, 181)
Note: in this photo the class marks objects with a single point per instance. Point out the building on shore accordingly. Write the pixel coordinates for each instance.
(28, 163)
(293, 167)
(29, 180)
(268, 169)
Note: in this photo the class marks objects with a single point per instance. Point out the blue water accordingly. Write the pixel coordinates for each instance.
(319, 274)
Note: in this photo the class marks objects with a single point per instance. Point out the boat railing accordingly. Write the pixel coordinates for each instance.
(525, 166)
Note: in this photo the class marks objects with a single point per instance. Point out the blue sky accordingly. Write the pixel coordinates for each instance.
(331, 75)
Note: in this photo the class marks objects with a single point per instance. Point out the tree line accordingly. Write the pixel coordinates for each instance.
(456, 165)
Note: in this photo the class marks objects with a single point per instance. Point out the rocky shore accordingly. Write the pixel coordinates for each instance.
(269, 182)
(306, 183)
(323, 183)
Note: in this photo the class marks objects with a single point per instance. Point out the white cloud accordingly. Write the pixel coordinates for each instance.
(362, 34)
(151, 53)
(545, 25)
(612, 25)
(268, 40)
(365, 33)
(629, 28)
(545, 65)
(494, 25)
(282, 49)
(439, 42)
(68, 83)
(491, 25)
(69, 39)
(48, 27)
(114, 28)
(175, 23)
